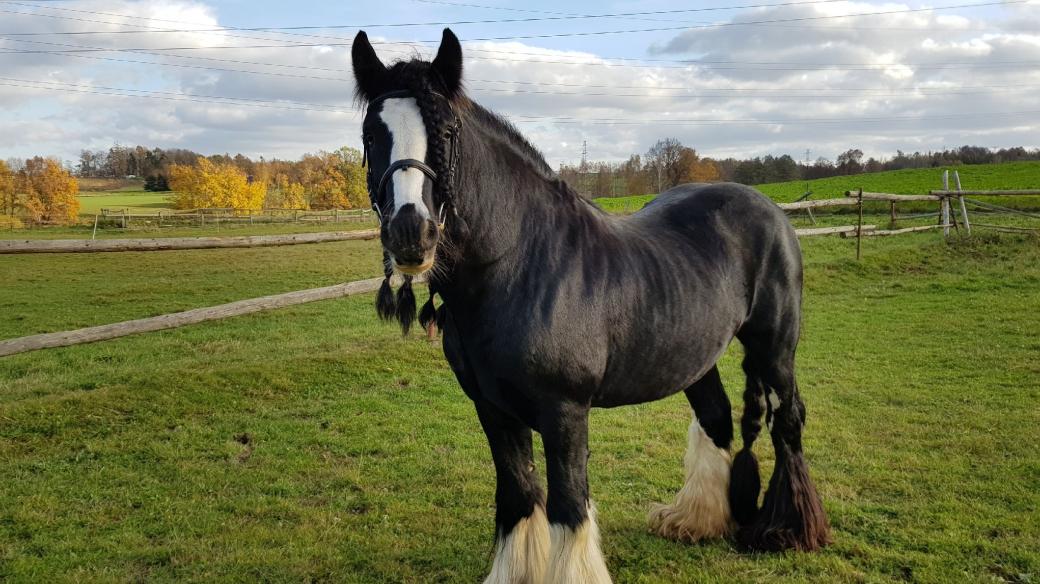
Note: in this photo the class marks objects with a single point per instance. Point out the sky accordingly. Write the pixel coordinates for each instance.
(740, 78)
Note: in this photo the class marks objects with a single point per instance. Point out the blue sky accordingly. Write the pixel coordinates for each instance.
(818, 79)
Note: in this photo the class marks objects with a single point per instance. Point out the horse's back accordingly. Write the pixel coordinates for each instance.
(695, 202)
(745, 226)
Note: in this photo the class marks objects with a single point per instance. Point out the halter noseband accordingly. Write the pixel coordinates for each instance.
(406, 163)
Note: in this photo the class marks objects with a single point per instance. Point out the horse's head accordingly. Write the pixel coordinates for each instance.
(410, 132)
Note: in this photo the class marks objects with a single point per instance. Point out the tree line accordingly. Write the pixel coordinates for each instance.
(668, 163)
(325, 180)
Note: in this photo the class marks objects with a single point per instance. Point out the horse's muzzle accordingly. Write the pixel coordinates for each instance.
(411, 240)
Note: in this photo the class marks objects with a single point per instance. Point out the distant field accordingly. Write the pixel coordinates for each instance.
(918, 181)
(110, 184)
(139, 201)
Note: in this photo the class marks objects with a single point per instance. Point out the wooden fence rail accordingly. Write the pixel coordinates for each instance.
(175, 243)
(1011, 193)
(867, 196)
(178, 319)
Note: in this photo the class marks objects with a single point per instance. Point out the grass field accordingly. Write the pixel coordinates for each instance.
(915, 181)
(88, 185)
(141, 201)
(315, 444)
(918, 181)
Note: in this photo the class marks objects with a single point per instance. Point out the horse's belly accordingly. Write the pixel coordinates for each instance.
(659, 369)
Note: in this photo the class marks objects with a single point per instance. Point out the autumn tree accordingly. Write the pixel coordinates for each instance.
(51, 193)
(335, 180)
(636, 180)
(209, 184)
(286, 194)
(693, 168)
(8, 192)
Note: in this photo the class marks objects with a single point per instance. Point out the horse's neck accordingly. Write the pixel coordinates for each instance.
(503, 195)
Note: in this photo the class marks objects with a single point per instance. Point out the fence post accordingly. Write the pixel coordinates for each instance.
(944, 205)
(94, 234)
(893, 213)
(964, 208)
(859, 227)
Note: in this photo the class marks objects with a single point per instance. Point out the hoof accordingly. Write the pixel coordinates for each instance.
(792, 517)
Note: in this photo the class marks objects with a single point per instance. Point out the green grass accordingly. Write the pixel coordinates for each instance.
(315, 444)
(1007, 176)
(49, 292)
(916, 181)
(141, 202)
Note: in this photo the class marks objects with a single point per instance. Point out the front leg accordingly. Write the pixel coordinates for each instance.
(575, 556)
(521, 529)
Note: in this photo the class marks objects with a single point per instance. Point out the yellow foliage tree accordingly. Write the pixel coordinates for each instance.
(356, 190)
(51, 192)
(8, 192)
(214, 185)
(335, 180)
(287, 194)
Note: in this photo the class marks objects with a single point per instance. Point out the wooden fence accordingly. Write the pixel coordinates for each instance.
(125, 217)
(175, 243)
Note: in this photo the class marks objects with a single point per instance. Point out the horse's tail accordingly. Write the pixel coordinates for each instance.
(745, 483)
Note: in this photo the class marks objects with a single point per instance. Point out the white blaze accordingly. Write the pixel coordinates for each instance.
(408, 138)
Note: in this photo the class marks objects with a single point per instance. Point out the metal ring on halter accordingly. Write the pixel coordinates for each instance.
(442, 219)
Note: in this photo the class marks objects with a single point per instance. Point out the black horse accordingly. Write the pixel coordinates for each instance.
(551, 307)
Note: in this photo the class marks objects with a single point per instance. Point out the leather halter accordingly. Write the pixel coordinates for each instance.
(406, 163)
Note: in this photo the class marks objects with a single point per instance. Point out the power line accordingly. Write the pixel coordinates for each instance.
(157, 29)
(709, 95)
(598, 33)
(789, 122)
(441, 23)
(169, 96)
(705, 65)
(166, 98)
(873, 90)
(227, 99)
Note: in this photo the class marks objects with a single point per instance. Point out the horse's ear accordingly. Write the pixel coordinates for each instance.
(448, 63)
(369, 71)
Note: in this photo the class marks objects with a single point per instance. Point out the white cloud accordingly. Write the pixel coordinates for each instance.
(893, 68)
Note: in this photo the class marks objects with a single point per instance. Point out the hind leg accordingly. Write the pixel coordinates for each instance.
(701, 509)
(792, 516)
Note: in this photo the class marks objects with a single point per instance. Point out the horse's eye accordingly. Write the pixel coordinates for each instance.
(367, 138)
